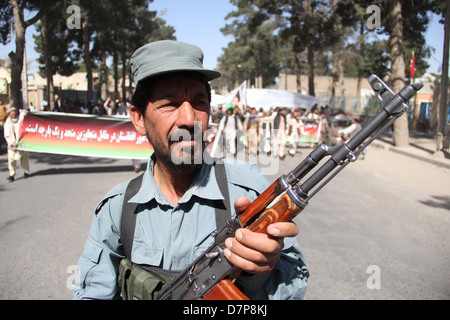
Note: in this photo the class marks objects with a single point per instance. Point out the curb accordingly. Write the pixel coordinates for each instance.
(430, 159)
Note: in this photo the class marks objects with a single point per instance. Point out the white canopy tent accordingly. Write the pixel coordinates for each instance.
(268, 99)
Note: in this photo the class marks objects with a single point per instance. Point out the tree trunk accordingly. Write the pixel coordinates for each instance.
(309, 48)
(362, 52)
(124, 77)
(311, 71)
(104, 77)
(17, 56)
(443, 104)
(87, 59)
(415, 111)
(401, 134)
(116, 73)
(298, 72)
(434, 120)
(337, 81)
(48, 62)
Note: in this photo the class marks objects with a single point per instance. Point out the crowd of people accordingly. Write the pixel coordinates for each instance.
(277, 131)
(100, 108)
(239, 128)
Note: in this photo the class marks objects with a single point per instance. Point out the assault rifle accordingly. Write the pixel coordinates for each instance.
(211, 275)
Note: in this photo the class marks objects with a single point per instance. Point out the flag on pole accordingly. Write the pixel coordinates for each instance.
(239, 95)
(412, 66)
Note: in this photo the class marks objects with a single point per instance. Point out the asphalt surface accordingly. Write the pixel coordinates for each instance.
(379, 230)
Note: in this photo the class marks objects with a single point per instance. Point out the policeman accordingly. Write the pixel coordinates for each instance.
(177, 199)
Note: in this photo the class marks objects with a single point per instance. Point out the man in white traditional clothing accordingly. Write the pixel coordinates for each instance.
(229, 126)
(11, 132)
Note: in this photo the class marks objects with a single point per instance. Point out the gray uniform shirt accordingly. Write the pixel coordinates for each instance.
(171, 236)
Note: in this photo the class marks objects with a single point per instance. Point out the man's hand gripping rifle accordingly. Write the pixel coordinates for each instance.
(211, 276)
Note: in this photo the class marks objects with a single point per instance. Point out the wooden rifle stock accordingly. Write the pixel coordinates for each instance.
(283, 210)
(225, 290)
(261, 202)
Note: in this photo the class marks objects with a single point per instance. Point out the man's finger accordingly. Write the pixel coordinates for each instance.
(241, 204)
(283, 229)
(259, 241)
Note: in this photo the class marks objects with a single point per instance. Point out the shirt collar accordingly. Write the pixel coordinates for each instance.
(204, 185)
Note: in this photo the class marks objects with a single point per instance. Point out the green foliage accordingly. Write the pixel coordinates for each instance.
(324, 26)
(269, 36)
(53, 42)
(253, 53)
(6, 20)
(416, 18)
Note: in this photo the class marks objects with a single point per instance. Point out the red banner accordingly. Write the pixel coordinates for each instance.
(311, 132)
(83, 135)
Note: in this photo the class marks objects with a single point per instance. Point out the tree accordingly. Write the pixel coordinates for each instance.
(13, 12)
(443, 103)
(136, 26)
(252, 55)
(115, 29)
(303, 25)
(308, 26)
(398, 68)
(404, 23)
(53, 43)
(108, 28)
(345, 19)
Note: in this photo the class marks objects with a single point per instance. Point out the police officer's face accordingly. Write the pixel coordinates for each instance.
(175, 120)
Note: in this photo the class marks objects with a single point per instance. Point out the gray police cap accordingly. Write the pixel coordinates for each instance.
(167, 56)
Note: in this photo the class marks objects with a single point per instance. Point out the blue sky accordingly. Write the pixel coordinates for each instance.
(196, 22)
(199, 22)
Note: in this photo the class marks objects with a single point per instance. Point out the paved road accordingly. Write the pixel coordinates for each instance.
(383, 222)
(387, 215)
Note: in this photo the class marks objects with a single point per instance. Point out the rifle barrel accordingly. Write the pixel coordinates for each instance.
(395, 107)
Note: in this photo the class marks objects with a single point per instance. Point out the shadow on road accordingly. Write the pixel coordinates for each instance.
(57, 159)
(446, 154)
(12, 221)
(442, 202)
(82, 170)
(75, 165)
